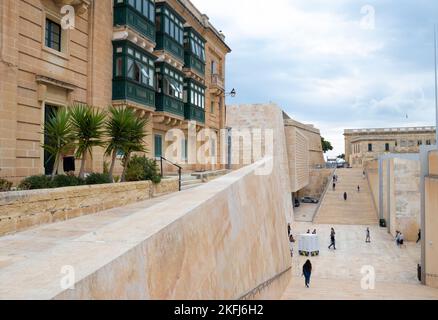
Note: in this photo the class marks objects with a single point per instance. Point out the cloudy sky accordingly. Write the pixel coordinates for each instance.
(336, 64)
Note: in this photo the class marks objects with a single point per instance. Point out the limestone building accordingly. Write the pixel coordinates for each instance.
(363, 145)
(162, 58)
(304, 151)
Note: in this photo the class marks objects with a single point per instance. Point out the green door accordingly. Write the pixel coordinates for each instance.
(158, 146)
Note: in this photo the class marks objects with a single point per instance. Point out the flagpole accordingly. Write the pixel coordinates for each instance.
(436, 84)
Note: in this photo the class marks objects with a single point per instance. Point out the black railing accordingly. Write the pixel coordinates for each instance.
(175, 165)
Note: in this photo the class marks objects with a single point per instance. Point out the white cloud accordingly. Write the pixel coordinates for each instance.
(314, 59)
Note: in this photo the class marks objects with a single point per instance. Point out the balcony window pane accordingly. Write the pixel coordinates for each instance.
(119, 67)
(166, 25)
(172, 29)
(130, 68)
(132, 3)
(146, 8)
(138, 6)
(151, 77)
(151, 12)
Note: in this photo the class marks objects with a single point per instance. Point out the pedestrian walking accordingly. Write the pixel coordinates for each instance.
(332, 239)
(289, 229)
(307, 273)
(358, 188)
(291, 245)
(345, 196)
(334, 186)
(368, 236)
(419, 236)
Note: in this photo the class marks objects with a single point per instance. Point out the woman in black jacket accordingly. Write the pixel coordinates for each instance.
(307, 272)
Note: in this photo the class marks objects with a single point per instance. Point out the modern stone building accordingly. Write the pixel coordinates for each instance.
(362, 145)
(162, 58)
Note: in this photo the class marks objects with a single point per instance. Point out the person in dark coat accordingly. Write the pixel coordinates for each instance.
(345, 196)
(332, 239)
(307, 273)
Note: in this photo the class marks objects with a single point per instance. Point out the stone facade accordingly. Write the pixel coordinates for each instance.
(35, 77)
(363, 145)
(401, 196)
(24, 209)
(313, 135)
(431, 222)
(264, 135)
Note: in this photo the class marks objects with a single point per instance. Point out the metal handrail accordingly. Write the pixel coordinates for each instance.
(174, 164)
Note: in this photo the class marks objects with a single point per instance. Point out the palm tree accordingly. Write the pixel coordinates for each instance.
(117, 129)
(135, 141)
(88, 127)
(59, 138)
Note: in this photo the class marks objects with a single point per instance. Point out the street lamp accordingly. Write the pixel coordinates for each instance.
(233, 93)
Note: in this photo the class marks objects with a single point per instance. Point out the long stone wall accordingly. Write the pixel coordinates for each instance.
(223, 240)
(431, 222)
(20, 210)
(401, 194)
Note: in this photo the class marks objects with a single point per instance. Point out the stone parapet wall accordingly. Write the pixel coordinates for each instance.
(431, 222)
(222, 240)
(20, 210)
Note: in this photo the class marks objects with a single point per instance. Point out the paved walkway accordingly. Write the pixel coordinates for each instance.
(21, 247)
(337, 274)
(357, 210)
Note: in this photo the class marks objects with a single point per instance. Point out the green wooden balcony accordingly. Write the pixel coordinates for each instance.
(125, 15)
(165, 103)
(194, 113)
(132, 91)
(166, 43)
(191, 61)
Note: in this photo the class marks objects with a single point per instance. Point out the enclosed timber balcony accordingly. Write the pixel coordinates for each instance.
(140, 18)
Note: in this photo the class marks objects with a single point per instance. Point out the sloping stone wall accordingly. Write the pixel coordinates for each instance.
(219, 241)
(20, 210)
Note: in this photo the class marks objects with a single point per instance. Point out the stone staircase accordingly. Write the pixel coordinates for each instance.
(357, 210)
(190, 180)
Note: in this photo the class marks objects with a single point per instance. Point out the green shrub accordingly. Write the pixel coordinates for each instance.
(66, 181)
(142, 169)
(5, 185)
(98, 178)
(36, 182)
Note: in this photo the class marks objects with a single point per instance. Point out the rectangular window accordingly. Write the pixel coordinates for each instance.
(387, 147)
(428, 142)
(158, 146)
(213, 147)
(53, 35)
(370, 147)
(212, 107)
(119, 67)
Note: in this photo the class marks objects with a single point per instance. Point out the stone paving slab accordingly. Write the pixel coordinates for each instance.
(337, 274)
